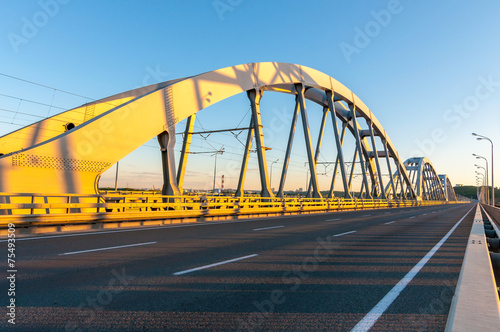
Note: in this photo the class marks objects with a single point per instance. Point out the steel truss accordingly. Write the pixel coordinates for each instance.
(47, 157)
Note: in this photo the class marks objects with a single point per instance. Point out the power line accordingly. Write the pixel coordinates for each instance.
(45, 86)
(32, 101)
(28, 114)
(244, 116)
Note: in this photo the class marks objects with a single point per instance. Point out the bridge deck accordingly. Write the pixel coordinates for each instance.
(315, 272)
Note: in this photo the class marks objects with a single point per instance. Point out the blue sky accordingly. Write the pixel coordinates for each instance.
(429, 71)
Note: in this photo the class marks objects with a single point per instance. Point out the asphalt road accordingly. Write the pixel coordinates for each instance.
(318, 272)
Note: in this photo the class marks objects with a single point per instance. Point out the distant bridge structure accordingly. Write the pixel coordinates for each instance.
(65, 155)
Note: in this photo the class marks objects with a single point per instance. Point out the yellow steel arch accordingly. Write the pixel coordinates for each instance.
(39, 158)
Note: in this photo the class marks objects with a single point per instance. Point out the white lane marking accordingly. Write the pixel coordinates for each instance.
(367, 215)
(212, 265)
(272, 227)
(424, 214)
(390, 222)
(411, 217)
(333, 219)
(371, 318)
(108, 248)
(344, 233)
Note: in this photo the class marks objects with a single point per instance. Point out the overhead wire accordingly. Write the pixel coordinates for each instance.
(33, 115)
(32, 101)
(45, 86)
(53, 95)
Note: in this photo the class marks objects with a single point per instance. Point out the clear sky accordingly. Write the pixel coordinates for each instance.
(429, 71)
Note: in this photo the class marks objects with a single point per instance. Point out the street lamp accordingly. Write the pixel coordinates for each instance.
(486, 177)
(480, 186)
(271, 177)
(478, 167)
(480, 138)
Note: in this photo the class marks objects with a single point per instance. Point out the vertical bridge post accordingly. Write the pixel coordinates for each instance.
(375, 155)
(387, 158)
(186, 144)
(318, 145)
(359, 149)
(167, 143)
(305, 124)
(339, 140)
(289, 147)
(244, 163)
(255, 96)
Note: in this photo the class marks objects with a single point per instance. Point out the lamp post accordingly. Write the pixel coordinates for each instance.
(116, 177)
(486, 177)
(271, 177)
(221, 151)
(480, 184)
(480, 138)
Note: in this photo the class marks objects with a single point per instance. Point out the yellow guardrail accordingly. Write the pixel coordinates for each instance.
(46, 208)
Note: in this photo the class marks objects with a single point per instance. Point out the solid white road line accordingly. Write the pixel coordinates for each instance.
(272, 227)
(108, 248)
(371, 318)
(390, 222)
(333, 219)
(212, 265)
(344, 233)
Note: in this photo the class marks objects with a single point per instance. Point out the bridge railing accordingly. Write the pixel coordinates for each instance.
(40, 208)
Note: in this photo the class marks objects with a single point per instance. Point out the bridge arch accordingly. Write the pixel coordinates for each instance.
(52, 156)
(424, 179)
(448, 188)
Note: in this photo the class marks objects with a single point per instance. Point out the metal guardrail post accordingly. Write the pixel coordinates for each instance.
(32, 211)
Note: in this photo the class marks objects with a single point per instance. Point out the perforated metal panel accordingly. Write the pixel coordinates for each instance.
(67, 164)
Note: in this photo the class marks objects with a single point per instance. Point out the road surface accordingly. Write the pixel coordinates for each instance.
(384, 270)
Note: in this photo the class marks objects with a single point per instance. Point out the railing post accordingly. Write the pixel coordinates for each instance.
(32, 211)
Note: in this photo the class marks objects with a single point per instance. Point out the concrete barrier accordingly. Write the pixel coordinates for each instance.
(475, 305)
